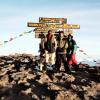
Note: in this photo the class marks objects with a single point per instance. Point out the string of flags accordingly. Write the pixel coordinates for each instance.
(84, 53)
(13, 38)
(80, 50)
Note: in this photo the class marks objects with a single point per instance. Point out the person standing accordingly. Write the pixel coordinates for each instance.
(71, 52)
(42, 50)
(50, 46)
(61, 53)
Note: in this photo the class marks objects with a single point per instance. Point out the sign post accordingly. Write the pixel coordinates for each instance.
(63, 26)
(52, 20)
(53, 24)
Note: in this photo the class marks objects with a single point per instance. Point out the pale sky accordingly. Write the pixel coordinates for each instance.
(14, 15)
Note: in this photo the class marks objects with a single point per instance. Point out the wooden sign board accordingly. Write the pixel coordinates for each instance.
(30, 24)
(41, 29)
(42, 25)
(64, 26)
(52, 20)
(71, 26)
(44, 30)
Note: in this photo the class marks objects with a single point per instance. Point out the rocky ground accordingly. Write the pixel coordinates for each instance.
(19, 80)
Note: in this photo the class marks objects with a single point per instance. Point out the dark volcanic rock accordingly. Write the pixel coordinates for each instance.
(20, 81)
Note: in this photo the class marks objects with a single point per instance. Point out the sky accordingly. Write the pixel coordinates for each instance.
(14, 15)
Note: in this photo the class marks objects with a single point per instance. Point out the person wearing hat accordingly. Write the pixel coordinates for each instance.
(61, 53)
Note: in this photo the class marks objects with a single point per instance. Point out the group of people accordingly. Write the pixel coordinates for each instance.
(58, 50)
